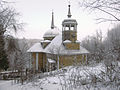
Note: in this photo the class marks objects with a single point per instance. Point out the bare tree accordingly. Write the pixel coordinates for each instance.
(110, 53)
(95, 45)
(22, 58)
(8, 23)
(19, 57)
(109, 7)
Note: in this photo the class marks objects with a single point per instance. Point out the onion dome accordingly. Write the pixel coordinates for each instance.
(51, 33)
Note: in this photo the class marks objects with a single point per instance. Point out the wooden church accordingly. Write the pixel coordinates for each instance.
(59, 48)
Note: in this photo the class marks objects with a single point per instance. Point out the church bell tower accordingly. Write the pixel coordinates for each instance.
(69, 32)
(69, 28)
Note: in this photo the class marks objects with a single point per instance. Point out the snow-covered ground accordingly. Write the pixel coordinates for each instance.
(56, 81)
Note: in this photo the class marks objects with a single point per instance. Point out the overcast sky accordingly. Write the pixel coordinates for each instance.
(37, 16)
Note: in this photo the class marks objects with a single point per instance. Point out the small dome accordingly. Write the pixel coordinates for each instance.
(52, 33)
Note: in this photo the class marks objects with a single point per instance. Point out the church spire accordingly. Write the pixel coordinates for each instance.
(52, 22)
(69, 13)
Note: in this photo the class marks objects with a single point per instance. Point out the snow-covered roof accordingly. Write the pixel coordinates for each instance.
(56, 47)
(46, 41)
(51, 61)
(77, 41)
(37, 47)
(52, 32)
(69, 20)
(67, 41)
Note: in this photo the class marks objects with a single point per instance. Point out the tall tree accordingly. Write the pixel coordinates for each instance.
(112, 43)
(8, 23)
(95, 45)
(3, 56)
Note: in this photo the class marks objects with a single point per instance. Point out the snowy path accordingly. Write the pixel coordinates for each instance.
(4, 85)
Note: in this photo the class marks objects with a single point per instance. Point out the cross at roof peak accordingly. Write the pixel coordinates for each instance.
(52, 22)
(69, 12)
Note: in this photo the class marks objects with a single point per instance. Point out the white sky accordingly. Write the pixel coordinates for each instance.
(37, 16)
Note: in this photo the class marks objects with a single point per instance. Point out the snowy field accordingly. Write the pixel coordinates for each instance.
(57, 81)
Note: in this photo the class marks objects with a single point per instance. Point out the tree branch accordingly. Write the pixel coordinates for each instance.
(109, 14)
